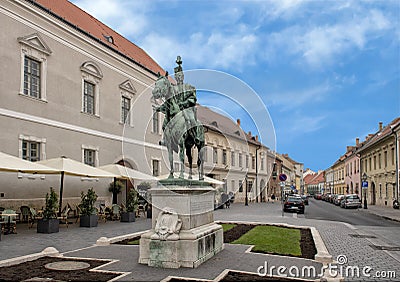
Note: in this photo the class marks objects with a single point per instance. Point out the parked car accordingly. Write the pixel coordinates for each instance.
(351, 201)
(305, 199)
(318, 196)
(338, 199)
(294, 203)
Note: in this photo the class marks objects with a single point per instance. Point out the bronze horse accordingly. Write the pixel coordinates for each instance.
(178, 135)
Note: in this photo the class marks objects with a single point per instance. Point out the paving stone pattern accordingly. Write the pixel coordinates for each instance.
(336, 236)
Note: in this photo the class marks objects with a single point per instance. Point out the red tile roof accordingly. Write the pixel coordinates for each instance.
(79, 19)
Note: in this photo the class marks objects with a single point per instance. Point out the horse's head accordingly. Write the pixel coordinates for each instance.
(162, 88)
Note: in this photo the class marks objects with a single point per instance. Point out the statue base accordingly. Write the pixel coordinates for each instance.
(183, 231)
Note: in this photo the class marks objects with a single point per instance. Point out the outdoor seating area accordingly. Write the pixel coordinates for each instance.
(27, 217)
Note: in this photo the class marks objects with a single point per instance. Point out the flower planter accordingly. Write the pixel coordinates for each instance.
(127, 216)
(89, 220)
(48, 226)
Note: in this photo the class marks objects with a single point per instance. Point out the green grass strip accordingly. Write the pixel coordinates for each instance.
(134, 242)
(272, 239)
(227, 226)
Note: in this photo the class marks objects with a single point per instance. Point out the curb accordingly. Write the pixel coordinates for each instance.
(50, 251)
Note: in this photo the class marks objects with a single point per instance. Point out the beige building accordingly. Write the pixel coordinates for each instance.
(234, 157)
(378, 162)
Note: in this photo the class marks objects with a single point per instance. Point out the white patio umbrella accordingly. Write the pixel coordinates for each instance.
(74, 168)
(194, 177)
(9, 163)
(126, 173)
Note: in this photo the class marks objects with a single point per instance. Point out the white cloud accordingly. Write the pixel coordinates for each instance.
(125, 17)
(215, 50)
(323, 44)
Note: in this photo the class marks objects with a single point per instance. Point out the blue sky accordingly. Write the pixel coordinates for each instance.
(327, 71)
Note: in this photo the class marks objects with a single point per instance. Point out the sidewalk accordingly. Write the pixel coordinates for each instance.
(387, 212)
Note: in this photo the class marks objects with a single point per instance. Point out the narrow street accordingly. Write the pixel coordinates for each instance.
(322, 210)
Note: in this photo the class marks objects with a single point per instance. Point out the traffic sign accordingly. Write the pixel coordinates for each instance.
(364, 184)
(282, 177)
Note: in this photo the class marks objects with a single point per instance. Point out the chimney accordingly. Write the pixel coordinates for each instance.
(256, 137)
(348, 148)
(380, 126)
(357, 141)
(238, 122)
(249, 133)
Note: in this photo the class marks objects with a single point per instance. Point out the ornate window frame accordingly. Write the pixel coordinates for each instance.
(127, 90)
(34, 47)
(91, 73)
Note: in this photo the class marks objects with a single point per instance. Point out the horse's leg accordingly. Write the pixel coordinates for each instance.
(171, 160)
(190, 160)
(182, 157)
(200, 159)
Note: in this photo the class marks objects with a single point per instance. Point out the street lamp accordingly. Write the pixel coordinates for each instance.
(365, 188)
(246, 200)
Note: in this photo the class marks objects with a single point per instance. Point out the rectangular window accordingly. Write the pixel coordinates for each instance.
(253, 162)
(215, 155)
(375, 162)
(156, 127)
(393, 156)
(233, 186)
(89, 157)
(240, 160)
(88, 98)
(156, 170)
(380, 161)
(31, 77)
(370, 164)
(351, 168)
(224, 161)
(205, 155)
(385, 158)
(177, 167)
(262, 163)
(30, 150)
(247, 161)
(125, 108)
(232, 158)
(249, 185)
(241, 187)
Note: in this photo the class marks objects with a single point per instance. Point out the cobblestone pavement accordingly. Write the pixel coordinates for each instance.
(337, 237)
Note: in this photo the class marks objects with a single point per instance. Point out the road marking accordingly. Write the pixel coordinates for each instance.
(294, 215)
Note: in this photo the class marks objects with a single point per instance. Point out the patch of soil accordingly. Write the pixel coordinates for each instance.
(307, 246)
(236, 232)
(308, 249)
(35, 269)
(126, 241)
(234, 276)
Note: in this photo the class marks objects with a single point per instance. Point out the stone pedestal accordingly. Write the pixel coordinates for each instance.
(183, 231)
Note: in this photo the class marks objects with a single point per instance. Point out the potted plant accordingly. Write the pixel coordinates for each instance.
(88, 217)
(49, 223)
(115, 188)
(128, 214)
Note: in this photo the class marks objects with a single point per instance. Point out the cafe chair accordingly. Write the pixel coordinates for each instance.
(115, 210)
(64, 216)
(10, 221)
(33, 217)
(25, 213)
